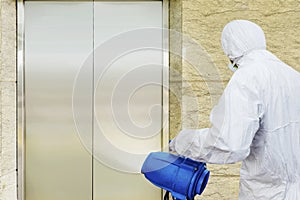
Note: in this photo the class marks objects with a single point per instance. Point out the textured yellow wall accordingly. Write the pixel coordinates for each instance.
(203, 20)
(8, 145)
(175, 21)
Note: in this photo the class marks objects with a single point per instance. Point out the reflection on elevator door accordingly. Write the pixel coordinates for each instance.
(93, 98)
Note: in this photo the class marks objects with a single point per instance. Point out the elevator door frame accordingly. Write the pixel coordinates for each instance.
(21, 120)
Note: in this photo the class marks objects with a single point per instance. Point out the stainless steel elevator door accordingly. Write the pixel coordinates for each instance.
(58, 39)
(93, 98)
(128, 97)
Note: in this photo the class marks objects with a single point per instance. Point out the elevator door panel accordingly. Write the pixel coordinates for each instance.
(128, 97)
(58, 39)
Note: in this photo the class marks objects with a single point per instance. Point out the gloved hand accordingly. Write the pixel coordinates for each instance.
(182, 141)
(186, 142)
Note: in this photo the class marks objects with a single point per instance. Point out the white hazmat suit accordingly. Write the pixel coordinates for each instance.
(256, 121)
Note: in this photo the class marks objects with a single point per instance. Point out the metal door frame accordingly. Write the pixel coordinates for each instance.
(21, 121)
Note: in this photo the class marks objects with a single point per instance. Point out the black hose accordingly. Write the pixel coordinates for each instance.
(166, 197)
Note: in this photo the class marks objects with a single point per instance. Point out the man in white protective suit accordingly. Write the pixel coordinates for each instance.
(256, 121)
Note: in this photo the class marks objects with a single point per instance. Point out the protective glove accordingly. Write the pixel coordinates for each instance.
(187, 142)
(182, 141)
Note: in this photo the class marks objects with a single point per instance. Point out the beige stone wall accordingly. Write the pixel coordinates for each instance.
(203, 20)
(8, 145)
(175, 21)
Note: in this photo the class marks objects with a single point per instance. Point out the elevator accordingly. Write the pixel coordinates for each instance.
(93, 98)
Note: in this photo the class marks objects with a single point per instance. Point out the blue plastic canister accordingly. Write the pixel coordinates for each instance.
(183, 177)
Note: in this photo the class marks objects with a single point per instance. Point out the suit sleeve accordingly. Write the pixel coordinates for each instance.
(235, 121)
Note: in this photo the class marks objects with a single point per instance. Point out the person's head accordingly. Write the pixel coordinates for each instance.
(240, 37)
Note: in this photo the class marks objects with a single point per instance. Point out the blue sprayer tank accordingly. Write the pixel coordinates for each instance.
(183, 177)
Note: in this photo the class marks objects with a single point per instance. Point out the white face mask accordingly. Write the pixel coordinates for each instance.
(232, 66)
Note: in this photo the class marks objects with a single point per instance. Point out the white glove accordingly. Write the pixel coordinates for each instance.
(187, 142)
